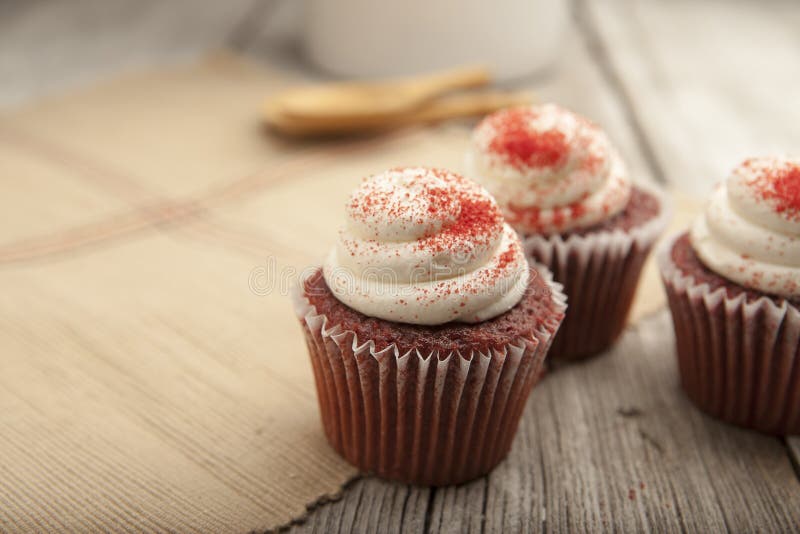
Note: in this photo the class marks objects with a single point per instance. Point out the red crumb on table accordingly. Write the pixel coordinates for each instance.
(632, 494)
(520, 144)
(778, 184)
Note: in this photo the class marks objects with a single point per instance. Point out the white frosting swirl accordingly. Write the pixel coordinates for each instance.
(550, 170)
(426, 246)
(750, 231)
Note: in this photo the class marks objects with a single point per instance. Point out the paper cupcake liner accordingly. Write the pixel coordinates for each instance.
(422, 419)
(600, 273)
(739, 361)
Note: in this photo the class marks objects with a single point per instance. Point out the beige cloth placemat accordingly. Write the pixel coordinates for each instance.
(153, 374)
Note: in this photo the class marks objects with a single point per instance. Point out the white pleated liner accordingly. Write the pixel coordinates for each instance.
(600, 273)
(739, 361)
(427, 420)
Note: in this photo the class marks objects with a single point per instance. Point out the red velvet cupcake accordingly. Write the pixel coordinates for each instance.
(733, 284)
(426, 329)
(564, 188)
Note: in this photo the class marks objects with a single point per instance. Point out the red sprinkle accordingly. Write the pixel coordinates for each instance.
(471, 220)
(530, 217)
(520, 145)
(780, 186)
(507, 257)
(479, 218)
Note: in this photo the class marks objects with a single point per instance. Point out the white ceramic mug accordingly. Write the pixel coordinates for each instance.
(367, 38)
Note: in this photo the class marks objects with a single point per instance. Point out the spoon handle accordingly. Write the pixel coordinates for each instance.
(431, 85)
(445, 107)
(466, 105)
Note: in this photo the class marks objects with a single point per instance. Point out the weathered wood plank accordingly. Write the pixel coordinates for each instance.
(621, 447)
(711, 82)
(371, 505)
(706, 109)
(608, 444)
(793, 442)
(599, 50)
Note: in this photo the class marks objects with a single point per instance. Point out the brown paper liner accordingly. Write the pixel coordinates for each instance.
(429, 420)
(600, 272)
(739, 361)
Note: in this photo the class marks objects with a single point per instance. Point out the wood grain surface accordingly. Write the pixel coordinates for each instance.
(608, 445)
(793, 443)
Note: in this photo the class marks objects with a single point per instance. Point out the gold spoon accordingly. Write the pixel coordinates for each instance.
(374, 99)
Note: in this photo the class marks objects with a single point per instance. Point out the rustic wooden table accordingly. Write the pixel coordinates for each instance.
(687, 89)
